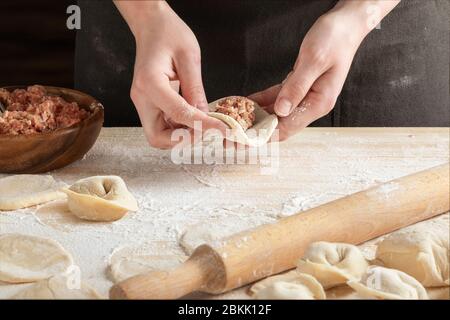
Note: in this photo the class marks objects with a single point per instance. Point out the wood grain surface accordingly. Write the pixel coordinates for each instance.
(317, 166)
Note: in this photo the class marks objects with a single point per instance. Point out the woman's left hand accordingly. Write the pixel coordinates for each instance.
(312, 87)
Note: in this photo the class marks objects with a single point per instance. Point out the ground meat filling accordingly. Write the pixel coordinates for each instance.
(240, 109)
(34, 111)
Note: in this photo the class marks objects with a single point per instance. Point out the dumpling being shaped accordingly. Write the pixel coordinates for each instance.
(421, 250)
(254, 130)
(383, 283)
(333, 264)
(290, 286)
(100, 198)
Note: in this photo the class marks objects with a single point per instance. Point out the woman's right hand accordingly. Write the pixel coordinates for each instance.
(166, 52)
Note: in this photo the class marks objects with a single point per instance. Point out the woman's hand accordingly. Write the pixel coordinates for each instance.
(166, 52)
(310, 91)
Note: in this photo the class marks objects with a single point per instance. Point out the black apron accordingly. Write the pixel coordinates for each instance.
(399, 77)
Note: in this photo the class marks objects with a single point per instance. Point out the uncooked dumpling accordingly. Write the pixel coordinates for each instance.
(57, 288)
(421, 250)
(292, 285)
(128, 262)
(333, 264)
(102, 198)
(262, 128)
(22, 191)
(383, 283)
(25, 258)
(286, 277)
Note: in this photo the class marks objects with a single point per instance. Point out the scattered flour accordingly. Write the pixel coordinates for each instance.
(300, 203)
(215, 231)
(174, 200)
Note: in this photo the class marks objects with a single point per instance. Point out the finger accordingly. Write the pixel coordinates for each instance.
(168, 138)
(319, 101)
(296, 87)
(181, 112)
(155, 127)
(228, 144)
(175, 85)
(182, 137)
(189, 71)
(266, 97)
(158, 131)
(269, 108)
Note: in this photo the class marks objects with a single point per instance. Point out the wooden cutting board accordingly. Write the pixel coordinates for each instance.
(316, 166)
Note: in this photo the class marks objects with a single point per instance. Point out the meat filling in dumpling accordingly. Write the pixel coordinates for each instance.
(240, 109)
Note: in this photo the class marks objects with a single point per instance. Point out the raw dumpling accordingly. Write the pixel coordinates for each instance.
(383, 283)
(26, 258)
(262, 128)
(22, 191)
(292, 285)
(102, 198)
(56, 288)
(421, 250)
(286, 277)
(128, 262)
(333, 264)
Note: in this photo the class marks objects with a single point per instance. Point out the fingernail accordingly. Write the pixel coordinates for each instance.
(283, 107)
(203, 105)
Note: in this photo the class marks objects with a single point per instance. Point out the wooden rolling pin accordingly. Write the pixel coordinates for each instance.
(273, 248)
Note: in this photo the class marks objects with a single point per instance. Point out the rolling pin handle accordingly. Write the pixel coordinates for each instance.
(187, 278)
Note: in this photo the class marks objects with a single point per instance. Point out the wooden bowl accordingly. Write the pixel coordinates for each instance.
(42, 152)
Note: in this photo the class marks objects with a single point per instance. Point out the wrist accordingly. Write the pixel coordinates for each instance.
(139, 15)
(346, 27)
(363, 15)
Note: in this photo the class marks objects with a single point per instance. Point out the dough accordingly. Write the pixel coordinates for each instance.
(383, 283)
(285, 277)
(259, 134)
(56, 288)
(333, 264)
(22, 191)
(421, 250)
(342, 293)
(101, 198)
(57, 215)
(25, 258)
(292, 285)
(128, 262)
(438, 293)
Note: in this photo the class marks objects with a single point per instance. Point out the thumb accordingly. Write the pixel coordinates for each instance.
(267, 96)
(191, 84)
(295, 88)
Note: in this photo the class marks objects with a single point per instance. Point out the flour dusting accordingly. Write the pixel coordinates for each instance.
(316, 167)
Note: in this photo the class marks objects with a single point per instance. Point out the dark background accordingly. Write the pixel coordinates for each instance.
(35, 44)
(37, 48)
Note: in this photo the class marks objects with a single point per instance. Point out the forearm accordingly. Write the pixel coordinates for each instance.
(366, 14)
(139, 13)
